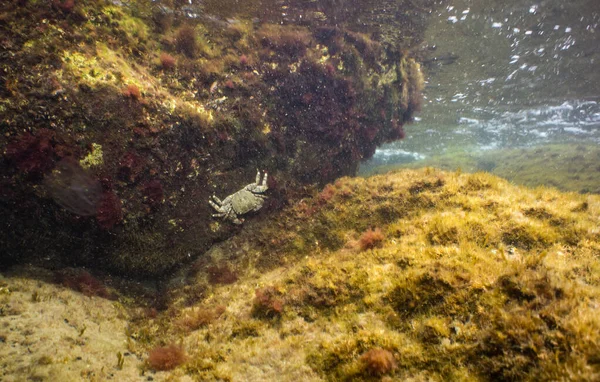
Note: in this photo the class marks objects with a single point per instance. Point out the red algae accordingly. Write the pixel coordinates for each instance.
(133, 92)
(199, 317)
(378, 361)
(82, 281)
(229, 84)
(167, 62)
(109, 211)
(371, 239)
(32, 154)
(244, 60)
(267, 303)
(166, 357)
(327, 194)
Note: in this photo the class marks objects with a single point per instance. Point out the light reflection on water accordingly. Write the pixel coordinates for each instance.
(492, 129)
(506, 74)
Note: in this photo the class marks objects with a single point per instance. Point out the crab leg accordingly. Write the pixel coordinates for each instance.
(261, 187)
(264, 182)
(217, 206)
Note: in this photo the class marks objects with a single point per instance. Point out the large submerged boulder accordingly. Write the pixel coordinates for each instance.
(120, 121)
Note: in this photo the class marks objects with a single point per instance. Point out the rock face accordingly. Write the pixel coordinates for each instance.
(119, 122)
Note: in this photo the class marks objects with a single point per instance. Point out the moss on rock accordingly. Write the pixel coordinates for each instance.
(476, 280)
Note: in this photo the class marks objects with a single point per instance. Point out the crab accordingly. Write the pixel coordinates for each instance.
(247, 199)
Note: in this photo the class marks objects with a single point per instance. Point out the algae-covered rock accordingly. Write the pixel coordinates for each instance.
(474, 279)
(53, 333)
(161, 110)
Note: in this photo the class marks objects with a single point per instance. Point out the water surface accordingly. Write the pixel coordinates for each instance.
(505, 75)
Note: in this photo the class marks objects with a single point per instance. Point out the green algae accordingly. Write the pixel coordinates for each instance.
(94, 157)
(132, 27)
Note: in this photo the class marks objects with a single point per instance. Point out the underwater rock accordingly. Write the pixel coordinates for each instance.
(477, 279)
(165, 111)
(486, 302)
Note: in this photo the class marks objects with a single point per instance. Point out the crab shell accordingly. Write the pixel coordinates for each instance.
(245, 201)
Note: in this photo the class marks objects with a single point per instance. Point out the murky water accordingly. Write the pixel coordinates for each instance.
(174, 205)
(503, 75)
